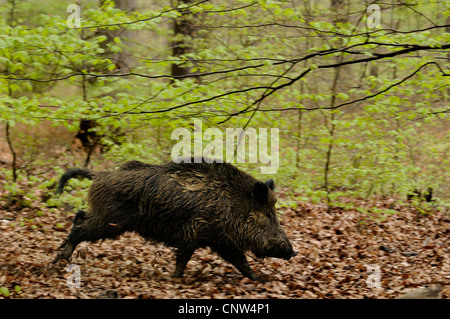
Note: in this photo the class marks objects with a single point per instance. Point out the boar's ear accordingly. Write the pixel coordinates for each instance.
(270, 184)
(260, 193)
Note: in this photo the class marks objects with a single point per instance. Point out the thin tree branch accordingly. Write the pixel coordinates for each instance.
(364, 98)
(121, 24)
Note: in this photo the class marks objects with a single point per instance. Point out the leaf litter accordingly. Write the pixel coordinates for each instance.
(335, 254)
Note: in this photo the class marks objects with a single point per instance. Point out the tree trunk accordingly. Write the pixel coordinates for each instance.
(13, 153)
(123, 60)
(183, 30)
(339, 17)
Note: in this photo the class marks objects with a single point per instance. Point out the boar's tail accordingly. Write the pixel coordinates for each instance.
(71, 173)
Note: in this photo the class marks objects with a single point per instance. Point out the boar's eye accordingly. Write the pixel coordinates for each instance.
(269, 212)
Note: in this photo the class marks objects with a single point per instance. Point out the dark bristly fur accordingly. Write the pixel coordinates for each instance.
(186, 206)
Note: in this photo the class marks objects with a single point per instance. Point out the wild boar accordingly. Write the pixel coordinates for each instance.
(186, 206)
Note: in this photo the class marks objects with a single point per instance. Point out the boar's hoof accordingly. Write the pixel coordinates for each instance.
(261, 280)
(65, 253)
(59, 257)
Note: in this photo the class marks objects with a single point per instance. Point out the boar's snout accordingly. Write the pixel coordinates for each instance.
(293, 254)
(282, 250)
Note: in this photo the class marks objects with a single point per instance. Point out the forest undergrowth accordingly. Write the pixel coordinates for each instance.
(338, 254)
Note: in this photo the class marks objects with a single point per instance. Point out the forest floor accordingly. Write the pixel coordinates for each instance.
(338, 257)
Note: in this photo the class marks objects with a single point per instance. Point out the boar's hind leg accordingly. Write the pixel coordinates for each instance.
(69, 245)
(238, 260)
(183, 256)
(71, 242)
(66, 252)
(85, 229)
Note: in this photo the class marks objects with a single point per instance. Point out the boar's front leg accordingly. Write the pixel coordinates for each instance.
(183, 256)
(238, 260)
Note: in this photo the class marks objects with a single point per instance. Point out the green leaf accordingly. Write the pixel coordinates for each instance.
(4, 291)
